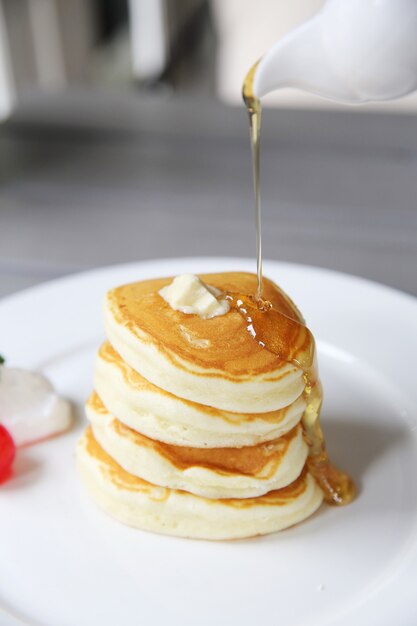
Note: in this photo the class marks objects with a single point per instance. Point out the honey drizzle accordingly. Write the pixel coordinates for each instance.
(287, 338)
(254, 109)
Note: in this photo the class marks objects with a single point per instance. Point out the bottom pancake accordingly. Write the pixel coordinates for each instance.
(138, 503)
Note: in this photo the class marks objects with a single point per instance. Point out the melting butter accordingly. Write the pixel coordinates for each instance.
(189, 294)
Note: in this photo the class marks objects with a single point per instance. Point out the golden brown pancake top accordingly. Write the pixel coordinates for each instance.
(222, 343)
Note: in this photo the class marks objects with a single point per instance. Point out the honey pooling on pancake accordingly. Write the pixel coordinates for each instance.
(139, 308)
(286, 337)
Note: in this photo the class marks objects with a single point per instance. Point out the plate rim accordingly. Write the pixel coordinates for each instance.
(102, 269)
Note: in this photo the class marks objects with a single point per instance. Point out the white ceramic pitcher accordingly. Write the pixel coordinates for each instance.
(354, 51)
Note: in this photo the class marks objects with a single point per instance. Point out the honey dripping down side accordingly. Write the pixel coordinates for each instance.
(292, 342)
(285, 337)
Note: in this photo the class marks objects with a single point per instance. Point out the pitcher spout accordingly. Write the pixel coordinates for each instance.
(300, 61)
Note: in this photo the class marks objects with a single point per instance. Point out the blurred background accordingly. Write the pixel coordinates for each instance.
(158, 46)
(123, 137)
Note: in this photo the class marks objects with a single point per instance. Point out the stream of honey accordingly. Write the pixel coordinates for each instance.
(254, 109)
(287, 337)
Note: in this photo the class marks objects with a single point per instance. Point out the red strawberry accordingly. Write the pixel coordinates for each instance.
(7, 454)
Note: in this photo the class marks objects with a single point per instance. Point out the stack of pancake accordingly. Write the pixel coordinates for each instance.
(195, 429)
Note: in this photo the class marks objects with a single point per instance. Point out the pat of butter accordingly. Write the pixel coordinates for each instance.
(188, 294)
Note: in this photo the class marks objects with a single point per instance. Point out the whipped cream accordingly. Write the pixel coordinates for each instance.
(189, 294)
(30, 408)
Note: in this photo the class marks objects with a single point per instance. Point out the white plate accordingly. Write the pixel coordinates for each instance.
(63, 562)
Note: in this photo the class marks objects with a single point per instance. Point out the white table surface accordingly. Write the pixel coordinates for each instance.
(90, 179)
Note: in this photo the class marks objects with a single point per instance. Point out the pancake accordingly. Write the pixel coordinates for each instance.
(215, 361)
(211, 473)
(161, 415)
(138, 503)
